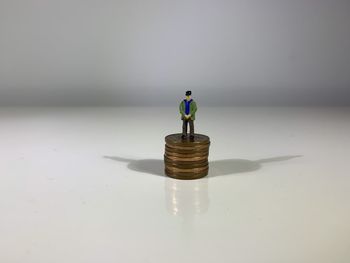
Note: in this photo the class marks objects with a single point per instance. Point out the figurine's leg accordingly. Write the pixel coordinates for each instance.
(184, 128)
(191, 128)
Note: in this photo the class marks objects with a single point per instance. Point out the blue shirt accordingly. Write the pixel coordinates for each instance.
(187, 106)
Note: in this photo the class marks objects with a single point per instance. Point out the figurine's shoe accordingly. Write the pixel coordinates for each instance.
(191, 137)
(183, 136)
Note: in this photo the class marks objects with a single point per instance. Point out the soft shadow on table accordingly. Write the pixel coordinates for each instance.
(216, 168)
(150, 166)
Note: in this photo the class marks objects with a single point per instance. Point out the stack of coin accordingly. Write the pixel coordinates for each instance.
(186, 158)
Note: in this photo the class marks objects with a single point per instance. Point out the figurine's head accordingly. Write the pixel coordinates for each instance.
(188, 95)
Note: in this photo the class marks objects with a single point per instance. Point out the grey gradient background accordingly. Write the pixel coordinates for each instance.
(137, 52)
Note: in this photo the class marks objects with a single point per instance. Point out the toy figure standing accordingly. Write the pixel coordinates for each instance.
(185, 158)
(188, 108)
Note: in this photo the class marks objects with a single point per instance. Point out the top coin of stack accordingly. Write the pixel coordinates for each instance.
(186, 158)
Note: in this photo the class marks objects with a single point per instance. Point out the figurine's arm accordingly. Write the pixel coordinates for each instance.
(193, 108)
(181, 108)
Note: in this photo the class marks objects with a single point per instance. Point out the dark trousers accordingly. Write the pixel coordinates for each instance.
(184, 126)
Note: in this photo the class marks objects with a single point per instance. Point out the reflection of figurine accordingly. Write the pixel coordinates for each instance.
(188, 108)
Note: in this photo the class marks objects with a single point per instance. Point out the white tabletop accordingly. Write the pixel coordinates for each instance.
(81, 185)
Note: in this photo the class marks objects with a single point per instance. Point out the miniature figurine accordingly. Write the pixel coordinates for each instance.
(187, 158)
(188, 108)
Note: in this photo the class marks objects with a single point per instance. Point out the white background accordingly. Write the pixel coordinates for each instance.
(136, 52)
(80, 185)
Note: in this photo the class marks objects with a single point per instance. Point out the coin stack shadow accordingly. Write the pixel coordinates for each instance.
(186, 158)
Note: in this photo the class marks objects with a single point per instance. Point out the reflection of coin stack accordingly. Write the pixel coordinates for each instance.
(186, 158)
(186, 199)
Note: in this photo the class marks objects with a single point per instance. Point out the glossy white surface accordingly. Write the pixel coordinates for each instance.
(81, 185)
